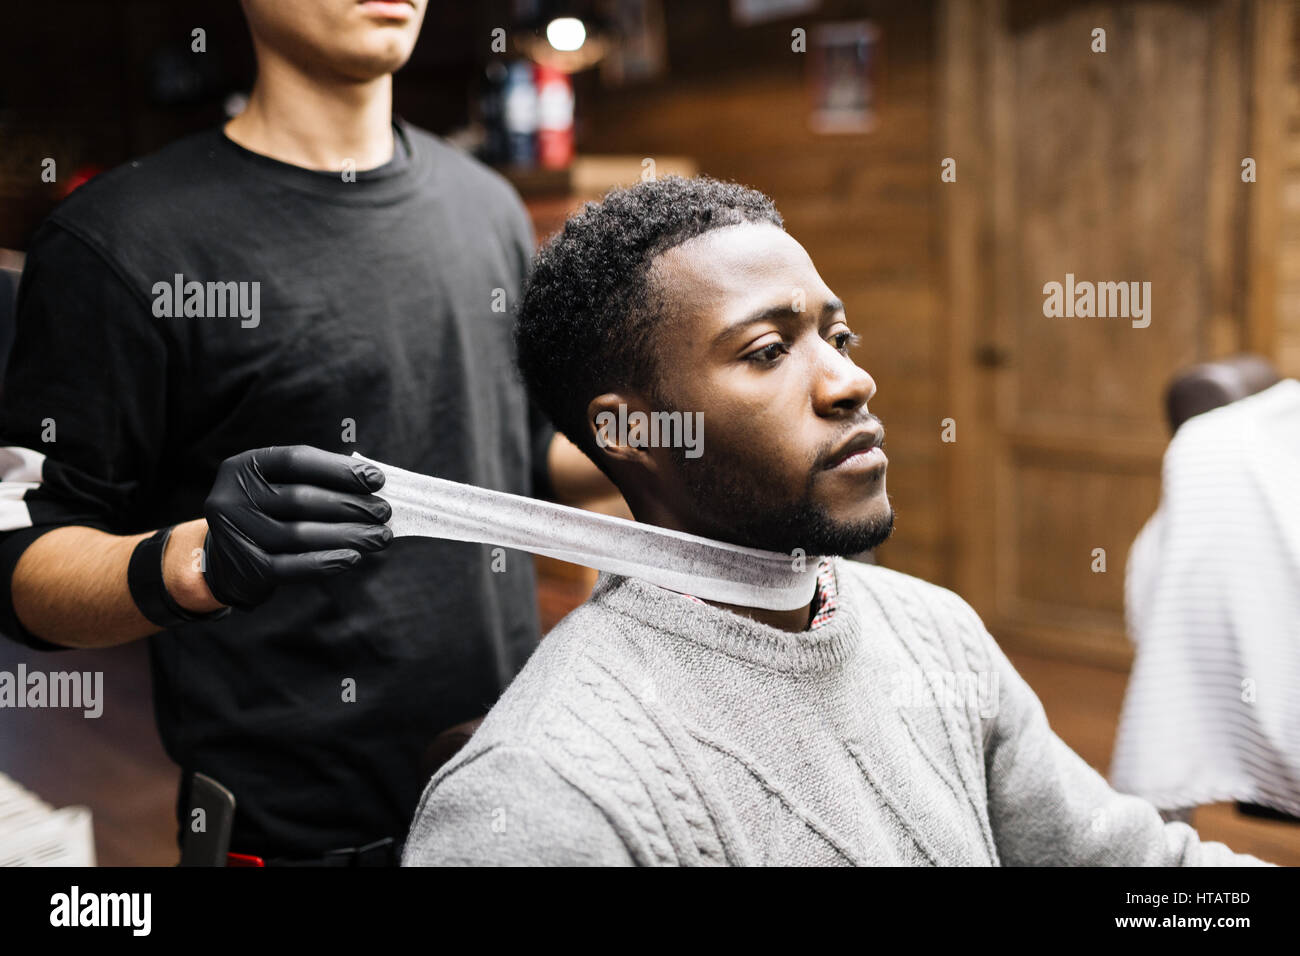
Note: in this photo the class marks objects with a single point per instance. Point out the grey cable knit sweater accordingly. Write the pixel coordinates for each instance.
(650, 729)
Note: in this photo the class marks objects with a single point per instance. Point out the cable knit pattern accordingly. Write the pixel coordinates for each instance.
(650, 729)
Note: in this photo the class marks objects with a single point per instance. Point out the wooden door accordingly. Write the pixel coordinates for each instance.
(1115, 166)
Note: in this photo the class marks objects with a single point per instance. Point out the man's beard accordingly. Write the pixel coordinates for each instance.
(741, 509)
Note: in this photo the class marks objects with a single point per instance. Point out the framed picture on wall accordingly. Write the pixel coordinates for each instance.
(842, 68)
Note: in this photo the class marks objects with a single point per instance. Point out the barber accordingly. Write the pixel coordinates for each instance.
(180, 456)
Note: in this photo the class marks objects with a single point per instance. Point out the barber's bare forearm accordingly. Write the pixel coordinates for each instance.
(70, 588)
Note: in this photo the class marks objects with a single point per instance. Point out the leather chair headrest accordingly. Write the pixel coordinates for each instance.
(446, 745)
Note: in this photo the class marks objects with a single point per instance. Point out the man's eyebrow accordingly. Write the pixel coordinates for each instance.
(782, 311)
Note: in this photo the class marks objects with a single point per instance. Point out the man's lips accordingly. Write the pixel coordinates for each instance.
(392, 8)
(862, 448)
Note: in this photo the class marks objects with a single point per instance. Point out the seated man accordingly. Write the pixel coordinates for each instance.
(881, 724)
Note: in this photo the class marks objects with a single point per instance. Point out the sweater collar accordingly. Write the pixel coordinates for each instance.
(668, 612)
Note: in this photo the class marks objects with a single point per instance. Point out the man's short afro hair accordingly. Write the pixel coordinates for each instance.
(589, 312)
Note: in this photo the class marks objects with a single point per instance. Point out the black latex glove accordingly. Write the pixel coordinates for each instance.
(287, 513)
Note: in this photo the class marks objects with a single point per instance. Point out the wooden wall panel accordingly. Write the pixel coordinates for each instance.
(1115, 166)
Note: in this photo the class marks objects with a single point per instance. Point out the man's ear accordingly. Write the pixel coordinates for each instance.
(619, 423)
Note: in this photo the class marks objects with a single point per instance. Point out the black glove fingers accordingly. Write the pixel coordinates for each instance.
(289, 537)
(289, 512)
(311, 564)
(311, 503)
(307, 465)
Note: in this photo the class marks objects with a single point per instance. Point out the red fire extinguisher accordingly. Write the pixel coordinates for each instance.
(554, 118)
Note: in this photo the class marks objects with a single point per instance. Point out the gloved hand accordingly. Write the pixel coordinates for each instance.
(287, 513)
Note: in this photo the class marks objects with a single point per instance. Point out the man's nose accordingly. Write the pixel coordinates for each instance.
(842, 386)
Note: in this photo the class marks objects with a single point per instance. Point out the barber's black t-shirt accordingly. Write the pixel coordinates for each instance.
(372, 313)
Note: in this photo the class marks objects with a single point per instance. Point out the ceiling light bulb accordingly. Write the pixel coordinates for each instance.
(566, 33)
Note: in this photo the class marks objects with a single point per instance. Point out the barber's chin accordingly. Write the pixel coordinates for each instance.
(376, 56)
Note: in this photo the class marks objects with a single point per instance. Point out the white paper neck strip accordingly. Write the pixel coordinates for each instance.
(686, 563)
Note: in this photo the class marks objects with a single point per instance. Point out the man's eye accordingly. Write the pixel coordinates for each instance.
(847, 340)
(767, 354)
